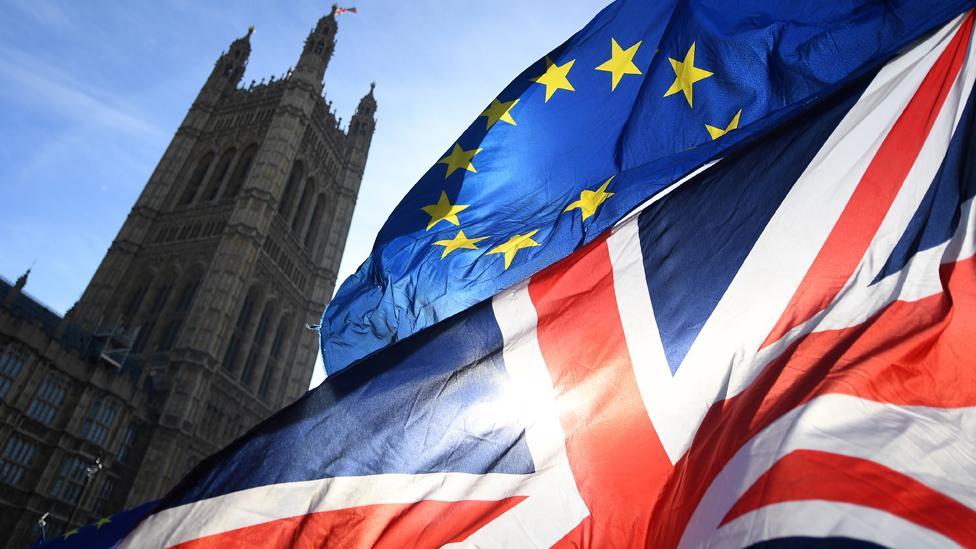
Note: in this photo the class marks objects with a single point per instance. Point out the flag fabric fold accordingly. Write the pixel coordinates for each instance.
(775, 349)
(643, 95)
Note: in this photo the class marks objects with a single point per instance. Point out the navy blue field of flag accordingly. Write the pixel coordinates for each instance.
(417, 407)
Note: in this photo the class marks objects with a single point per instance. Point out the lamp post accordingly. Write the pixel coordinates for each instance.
(90, 472)
(42, 524)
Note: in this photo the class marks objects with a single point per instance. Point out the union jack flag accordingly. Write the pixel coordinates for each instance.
(779, 348)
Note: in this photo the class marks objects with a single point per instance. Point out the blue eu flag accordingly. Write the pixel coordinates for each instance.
(643, 95)
(104, 532)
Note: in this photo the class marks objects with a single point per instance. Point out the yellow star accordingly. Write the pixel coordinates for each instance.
(459, 241)
(589, 201)
(70, 533)
(499, 111)
(621, 62)
(459, 158)
(719, 132)
(686, 74)
(555, 77)
(443, 211)
(515, 244)
(102, 522)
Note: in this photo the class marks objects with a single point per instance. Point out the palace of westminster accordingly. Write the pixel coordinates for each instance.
(191, 330)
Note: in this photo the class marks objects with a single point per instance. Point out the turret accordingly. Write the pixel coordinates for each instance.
(361, 129)
(17, 288)
(318, 50)
(229, 68)
(365, 110)
(22, 280)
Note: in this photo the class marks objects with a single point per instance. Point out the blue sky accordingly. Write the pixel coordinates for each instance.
(91, 93)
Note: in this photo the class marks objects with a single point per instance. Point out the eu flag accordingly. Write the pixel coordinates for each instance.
(104, 532)
(643, 95)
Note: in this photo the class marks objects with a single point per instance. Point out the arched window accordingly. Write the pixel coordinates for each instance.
(12, 360)
(188, 293)
(275, 356)
(284, 207)
(257, 345)
(178, 316)
(135, 300)
(47, 401)
(191, 187)
(313, 226)
(299, 221)
(145, 331)
(220, 173)
(237, 337)
(100, 421)
(243, 169)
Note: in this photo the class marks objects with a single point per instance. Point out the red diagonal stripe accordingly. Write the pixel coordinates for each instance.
(861, 218)
(391, 526)
(815, 475)
(614, 452)
(920, 353)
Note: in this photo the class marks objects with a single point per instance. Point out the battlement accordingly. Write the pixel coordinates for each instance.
(256, 101)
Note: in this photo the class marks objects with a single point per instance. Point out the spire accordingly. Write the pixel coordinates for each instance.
(229, 68)
(367, 105)
(328, 21)
(22, 280)
(363, 123)
(18, 287)
(318, 49)
(241, 48)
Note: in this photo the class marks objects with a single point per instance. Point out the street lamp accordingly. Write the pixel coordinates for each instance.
(42, 524)
(90, 471)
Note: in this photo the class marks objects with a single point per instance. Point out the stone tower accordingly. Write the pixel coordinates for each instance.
(233, 245)
(191, 330)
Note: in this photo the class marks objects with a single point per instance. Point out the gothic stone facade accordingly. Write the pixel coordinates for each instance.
(191, 330)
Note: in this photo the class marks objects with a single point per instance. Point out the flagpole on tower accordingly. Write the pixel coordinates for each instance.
(338, 10)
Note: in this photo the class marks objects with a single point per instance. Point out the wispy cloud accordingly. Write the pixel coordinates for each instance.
(32, 82)
(90, 121)
(47, 14)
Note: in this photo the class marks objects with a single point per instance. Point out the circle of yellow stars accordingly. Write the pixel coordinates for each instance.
(555, 79)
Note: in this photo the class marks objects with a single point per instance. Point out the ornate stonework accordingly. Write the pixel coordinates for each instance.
(191, 330)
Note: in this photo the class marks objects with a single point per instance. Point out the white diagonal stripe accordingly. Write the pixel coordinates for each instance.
(935, 446)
